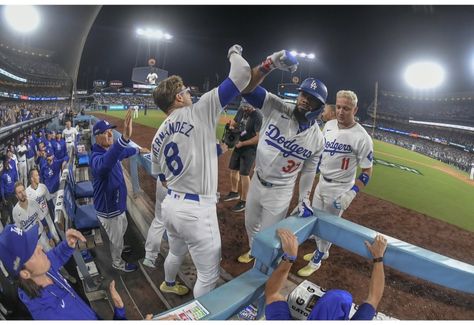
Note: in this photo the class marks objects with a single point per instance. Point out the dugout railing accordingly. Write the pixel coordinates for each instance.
(228, 299)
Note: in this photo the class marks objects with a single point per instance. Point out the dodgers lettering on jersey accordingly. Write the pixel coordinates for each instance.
(25, 219)
(282, 152)
(344, 150)
(184, 147)
(40, 195)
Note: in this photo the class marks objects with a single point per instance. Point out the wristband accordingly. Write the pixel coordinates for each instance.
(266, 66)
(364, 178)
(288, 258)
(378, 260)
(355, 188)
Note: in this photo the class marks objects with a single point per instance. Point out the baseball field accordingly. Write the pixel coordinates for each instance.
(403, 177)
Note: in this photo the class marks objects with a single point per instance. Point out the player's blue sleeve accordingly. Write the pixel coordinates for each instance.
(119, 313)
(365, 312)
(227, 91)
(277, 310)
(256, 97)
(60, 254)
(128, 152)
(104, 163)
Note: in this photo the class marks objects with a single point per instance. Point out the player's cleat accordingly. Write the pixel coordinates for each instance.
(309, 256)
(239, 207)
(232, 196)
(127, 267)
(177, 289)
(245, 258)
(309, 269)
(149, 263)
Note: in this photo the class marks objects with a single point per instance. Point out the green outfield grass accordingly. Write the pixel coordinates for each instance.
(435, 193)
(153, 119)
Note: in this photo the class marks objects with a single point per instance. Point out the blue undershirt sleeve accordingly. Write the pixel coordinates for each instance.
(227, 91)
(256, 97)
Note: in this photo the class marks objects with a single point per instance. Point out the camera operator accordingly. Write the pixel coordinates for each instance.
(248, 121)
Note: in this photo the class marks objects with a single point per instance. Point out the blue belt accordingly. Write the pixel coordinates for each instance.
(264, 183)
(187, 196)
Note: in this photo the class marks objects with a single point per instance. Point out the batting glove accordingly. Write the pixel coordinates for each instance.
(236, 48)
(344, 200)
(282, 60)
(303, 209)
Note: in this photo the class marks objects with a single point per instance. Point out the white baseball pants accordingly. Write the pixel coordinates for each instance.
(115, 229)
(192, 226)
(157, 227)
(265, 206)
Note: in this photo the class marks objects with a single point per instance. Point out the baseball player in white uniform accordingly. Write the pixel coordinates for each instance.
(151, 78)
(21, 149)
(184, 157)
(346, 146)
(70, 134)
(135, 111)
(290, 142)
(40, 193)
(27, 213)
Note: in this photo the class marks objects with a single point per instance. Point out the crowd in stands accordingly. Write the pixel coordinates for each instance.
(444, 134)
(451, 109)
(101, 99)
(12, 112)
(34, 65)
(449, 155)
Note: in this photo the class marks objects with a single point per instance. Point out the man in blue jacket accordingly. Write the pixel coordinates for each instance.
(59, 146)
(50, 172)
(43, 290)
(8, 178)
(110, 191)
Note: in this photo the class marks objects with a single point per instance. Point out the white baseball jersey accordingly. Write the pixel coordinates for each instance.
(69, 135)
(21, 159)
(151, 78)
(25, 219)
(282, 152)
(344, 150)
(184, 147)
(40, 195)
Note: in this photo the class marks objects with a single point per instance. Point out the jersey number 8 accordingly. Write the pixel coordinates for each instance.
(177, 167)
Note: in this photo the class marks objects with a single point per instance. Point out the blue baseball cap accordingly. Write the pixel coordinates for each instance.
(102, 126)
(49, 152)
(17, 246)
(333, 305)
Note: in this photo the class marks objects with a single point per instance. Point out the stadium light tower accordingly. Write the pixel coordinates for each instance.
(424, 75)
(23, 19)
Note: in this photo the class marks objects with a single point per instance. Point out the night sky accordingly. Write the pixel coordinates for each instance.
(354, 45)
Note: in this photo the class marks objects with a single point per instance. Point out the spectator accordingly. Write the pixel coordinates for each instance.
(334, 304)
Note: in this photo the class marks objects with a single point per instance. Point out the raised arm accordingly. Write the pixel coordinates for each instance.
(377, 280)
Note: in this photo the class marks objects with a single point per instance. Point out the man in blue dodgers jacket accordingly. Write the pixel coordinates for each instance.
(50, 173)
(110, 191)
(43, 290)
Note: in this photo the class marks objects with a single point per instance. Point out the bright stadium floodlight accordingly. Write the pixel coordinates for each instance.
(23, 19)
(424, 75)
(151, 33)
(303, 55)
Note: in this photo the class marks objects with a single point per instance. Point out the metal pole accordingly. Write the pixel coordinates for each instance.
(375, 107)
